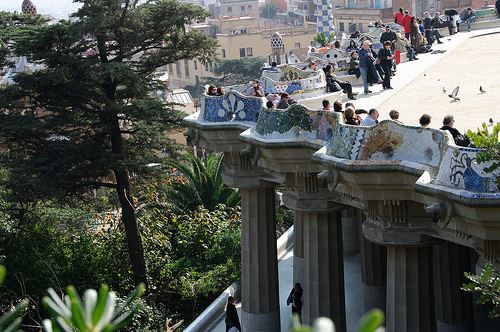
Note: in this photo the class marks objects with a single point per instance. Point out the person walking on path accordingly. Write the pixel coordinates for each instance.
(232, 321)
(365, 55)
(385, 56)
(497, 6)
(295, 299)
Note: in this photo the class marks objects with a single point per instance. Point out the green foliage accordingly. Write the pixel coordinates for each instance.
(96, 313)
(487, 283)
(238, 71)
(201, 184)
(269, 10)
(10, 321)
(322, 40)
(489, 141)
(89, 119)
(372, 321)
(10, 24)
(229, 72)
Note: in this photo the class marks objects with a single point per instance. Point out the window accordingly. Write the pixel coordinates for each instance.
(170, 68)
(297, 45)
(242, 8)
(242, 53)
(178, 68)
(229, 9)
(195, 65)
(341, 26)
(361, 27)
(249, 51)
(186, 68)
(223, 51)
(249, 8)
(196, 79)
(206, 66)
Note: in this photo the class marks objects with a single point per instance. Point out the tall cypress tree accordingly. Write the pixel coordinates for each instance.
(89, 118)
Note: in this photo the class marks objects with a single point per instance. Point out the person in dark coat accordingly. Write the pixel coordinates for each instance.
(388, 35)
(497, 6)
(232, 319)
(332, 81)
(385, 56)
(460, 139)
(295, 299)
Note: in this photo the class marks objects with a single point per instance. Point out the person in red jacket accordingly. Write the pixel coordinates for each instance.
(399, 17)
(406, 24)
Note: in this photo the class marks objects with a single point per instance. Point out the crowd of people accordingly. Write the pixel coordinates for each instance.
(352, 116)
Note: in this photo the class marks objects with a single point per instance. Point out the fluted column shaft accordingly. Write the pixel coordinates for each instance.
(373, 274)
(453, 305)
(324, 294)
(410, 305)
(259, 268)
(298, 247)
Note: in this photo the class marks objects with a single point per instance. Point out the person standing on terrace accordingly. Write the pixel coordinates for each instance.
(385, 56)
(365, 55)
(407, 24)
(399, 17)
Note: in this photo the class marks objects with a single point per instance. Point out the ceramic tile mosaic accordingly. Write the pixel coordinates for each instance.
(233, 106)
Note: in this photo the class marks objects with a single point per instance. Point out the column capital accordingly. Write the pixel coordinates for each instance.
(314, 202)
(240, 171)
(397, 222)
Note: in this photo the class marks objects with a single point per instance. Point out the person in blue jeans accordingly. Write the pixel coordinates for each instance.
(365, 55)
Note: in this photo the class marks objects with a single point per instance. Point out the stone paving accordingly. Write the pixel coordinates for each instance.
(418, 85)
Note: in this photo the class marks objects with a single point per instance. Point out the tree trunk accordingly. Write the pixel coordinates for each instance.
(134, 241)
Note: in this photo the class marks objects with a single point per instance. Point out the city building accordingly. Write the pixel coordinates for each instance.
(355, 15)
(238, 38)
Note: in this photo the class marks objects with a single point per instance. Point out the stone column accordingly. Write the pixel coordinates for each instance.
(373, 274)
(453, 306)
(259, 268)
(350, 230)
(298, 247)
(324, 294)
(410, 305)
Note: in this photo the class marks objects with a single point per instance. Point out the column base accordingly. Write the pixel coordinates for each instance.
(374, 297)
(269, 322)
(445, 327)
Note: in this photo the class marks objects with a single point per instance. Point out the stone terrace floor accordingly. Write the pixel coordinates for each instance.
(418, 85)
(418, 88)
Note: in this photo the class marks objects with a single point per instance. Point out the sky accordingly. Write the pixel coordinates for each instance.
(56, 8)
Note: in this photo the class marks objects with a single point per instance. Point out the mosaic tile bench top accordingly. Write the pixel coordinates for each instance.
(451, 166)
(232, 106)
(273, 123)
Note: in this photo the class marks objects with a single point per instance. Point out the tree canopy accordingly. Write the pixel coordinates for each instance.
(322, 39)
(88, 119)
(229, 72)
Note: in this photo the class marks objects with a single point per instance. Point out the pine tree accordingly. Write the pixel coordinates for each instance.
(89, 119)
